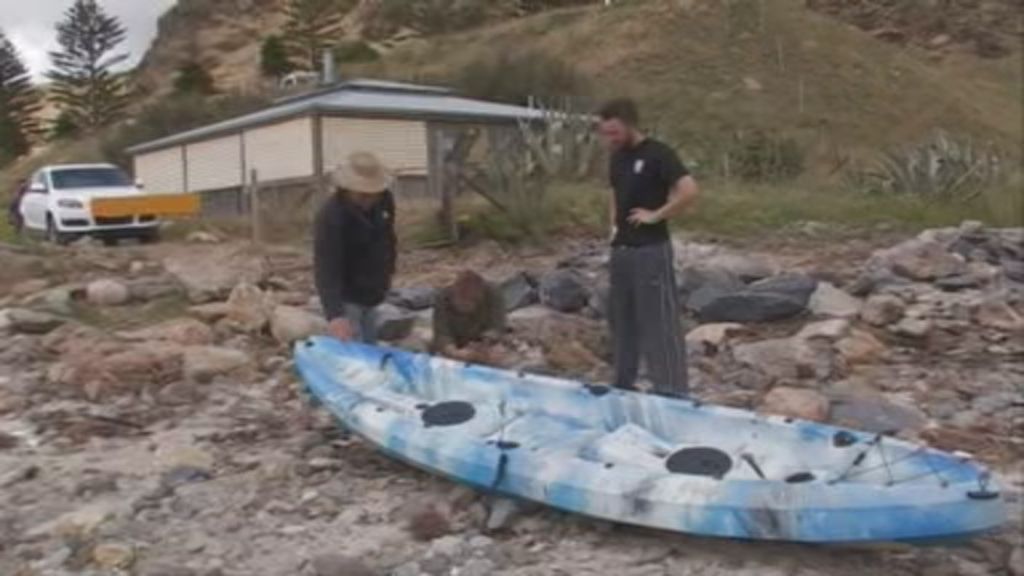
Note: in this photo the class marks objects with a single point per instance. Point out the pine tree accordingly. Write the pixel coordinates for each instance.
(19, 103)
(192, 78)
(84, 83)
(274, 58)
(312, 26)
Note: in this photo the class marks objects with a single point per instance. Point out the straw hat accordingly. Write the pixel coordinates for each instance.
(363, 173)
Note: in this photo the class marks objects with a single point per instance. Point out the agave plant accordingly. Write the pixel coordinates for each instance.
(943, 168)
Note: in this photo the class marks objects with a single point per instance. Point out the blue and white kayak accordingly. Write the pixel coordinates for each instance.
(647, 460)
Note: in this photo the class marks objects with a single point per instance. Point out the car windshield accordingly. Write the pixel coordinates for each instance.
(69, 178)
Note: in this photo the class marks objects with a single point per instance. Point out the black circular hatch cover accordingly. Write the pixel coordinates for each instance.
(699, 461)
(448, 414)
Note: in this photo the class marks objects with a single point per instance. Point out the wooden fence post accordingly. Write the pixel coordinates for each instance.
(254, 207)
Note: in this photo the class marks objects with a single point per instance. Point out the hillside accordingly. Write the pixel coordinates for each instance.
(704, 70)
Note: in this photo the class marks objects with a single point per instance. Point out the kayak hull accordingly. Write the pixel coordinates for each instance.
(650, 461)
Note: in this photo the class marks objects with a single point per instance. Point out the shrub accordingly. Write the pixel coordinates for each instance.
(193, 78)
(518, 77)
(172, 115)
(764, 157)
(943, 168)
(426, 16)
(355, 51)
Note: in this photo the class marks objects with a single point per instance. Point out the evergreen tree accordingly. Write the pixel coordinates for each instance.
(274, 61)
(19, 103)
(312, 26)
(84, 83)
(192, 78)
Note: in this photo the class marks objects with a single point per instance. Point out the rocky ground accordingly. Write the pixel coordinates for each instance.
(151, 422)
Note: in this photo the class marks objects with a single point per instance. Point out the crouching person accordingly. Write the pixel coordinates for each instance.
(354, 251)
(469, 320)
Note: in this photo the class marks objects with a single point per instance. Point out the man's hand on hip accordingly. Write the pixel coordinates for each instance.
(640, 216)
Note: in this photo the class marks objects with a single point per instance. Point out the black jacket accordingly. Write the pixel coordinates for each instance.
(354, 253)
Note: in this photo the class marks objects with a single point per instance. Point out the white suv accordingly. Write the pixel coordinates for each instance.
(58, 203)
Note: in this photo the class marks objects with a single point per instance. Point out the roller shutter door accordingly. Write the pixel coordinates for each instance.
(161, 171)
(400, 144)
(214, 164)
(280, 151)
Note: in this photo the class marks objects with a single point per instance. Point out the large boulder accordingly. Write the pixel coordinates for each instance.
(183, 331)
(700, 285)
(774, 298)
(564, 290)
(107, 292)
(747, 306)
(210, 273)
(413, 298)
(393, 323)
(796, 403)
(202, 363)
(518, 291)
(289, 323)
(796, 286)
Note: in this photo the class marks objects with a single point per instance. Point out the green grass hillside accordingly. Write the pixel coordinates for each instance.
(705, 70)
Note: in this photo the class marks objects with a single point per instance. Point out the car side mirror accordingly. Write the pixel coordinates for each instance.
(139, 183)
(37, 187)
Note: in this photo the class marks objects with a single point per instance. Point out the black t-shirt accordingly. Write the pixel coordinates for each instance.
(642, 177)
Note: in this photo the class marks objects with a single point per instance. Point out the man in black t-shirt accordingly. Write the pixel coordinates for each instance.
(650, 185)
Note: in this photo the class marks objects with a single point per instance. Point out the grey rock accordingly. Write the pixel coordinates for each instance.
(210, 274)
(107, 292)
(924, 260)
(876, 414)
(599, 299)
(748, 306)
(393, 323)
(165, 568)
(146, 289)
(518, 292)
(503, 511)
(31, 322)
(916, 328)
(699, 285)
(477, 567)
(201, 363)
(290, 323)
(413, 298)
(407, 569)
(340, 565)
(827, 300)
(746, 268)
(795, 286)
(564, 290)
(882, 309)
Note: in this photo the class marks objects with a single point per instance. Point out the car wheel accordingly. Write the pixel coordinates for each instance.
(55, 236)
(149, 236)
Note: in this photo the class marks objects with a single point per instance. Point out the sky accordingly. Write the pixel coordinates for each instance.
(30, 25)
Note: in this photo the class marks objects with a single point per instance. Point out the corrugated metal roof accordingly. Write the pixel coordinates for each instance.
(361, 98)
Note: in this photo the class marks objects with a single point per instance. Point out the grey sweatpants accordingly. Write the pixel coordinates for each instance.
(643, 313)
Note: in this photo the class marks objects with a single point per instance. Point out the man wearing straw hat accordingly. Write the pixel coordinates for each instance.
(355, 247)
